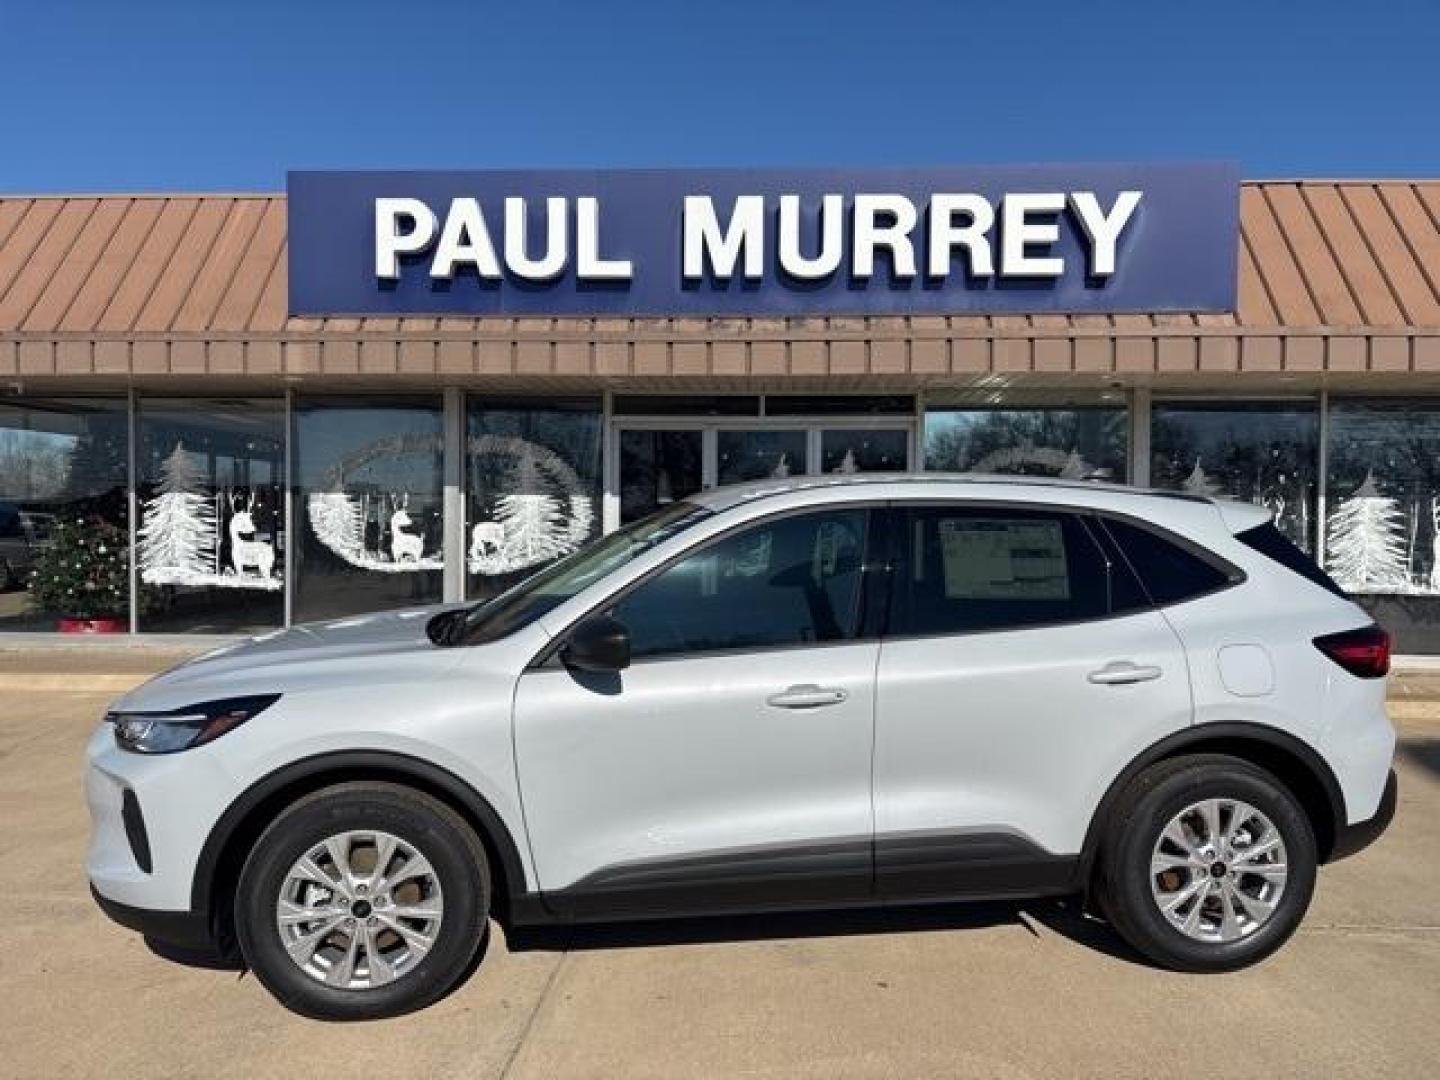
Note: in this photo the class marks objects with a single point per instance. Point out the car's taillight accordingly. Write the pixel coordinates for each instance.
(1364, 652)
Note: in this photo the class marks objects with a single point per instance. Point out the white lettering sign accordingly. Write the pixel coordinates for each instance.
(1015, 236)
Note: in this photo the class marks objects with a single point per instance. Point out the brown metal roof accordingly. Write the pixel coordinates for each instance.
(186, 283)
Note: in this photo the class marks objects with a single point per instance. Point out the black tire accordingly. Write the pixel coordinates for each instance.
(1146, 808)
(433, 829)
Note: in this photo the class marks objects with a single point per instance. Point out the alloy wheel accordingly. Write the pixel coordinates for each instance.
(1218, 870)
(359, 910)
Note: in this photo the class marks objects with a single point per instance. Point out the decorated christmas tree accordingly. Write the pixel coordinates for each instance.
(81, 572)
(1365, 542)
(176, 542)
(535, 528)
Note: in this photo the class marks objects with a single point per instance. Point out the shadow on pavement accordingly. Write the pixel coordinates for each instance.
(1422, 752)
(195, 958)
(1062, 917)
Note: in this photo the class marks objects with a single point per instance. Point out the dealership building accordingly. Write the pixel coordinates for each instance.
(387, 389)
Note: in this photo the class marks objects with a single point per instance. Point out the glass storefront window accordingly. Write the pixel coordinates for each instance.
(64, 528)
(1261, 452)
(368, 504)
(851, 450)
(532, 487)
(367, 493)
(1382, 529)
(1076, 443)
(210, 545)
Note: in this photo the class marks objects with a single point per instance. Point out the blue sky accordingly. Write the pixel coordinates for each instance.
(224, 95)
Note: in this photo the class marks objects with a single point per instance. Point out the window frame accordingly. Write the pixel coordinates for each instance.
(548, 658)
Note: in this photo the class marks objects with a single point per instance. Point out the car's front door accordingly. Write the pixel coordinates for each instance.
(729, 765)
(1022, 668)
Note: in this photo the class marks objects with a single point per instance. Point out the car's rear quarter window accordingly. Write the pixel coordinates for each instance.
(1169, 572)
(1273, 544)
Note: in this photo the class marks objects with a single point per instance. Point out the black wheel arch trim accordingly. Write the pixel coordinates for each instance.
(1217, 737)
(311, 772)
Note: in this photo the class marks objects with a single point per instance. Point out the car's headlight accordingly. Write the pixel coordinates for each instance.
(180, 729)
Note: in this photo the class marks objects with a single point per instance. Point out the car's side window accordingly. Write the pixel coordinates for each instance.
(963, 569)
(792, 580)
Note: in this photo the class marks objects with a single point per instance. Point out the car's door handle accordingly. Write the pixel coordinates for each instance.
(1120, 672)
(807, 696)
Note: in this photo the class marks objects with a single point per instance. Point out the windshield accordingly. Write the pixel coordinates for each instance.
(544, 592)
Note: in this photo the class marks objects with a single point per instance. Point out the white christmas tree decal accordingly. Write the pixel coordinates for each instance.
(534, 527)
(848, 463)
(1075, 467)
(337, 521)
(1198, 483)
(581, 518)
(176, 544)
(1365, 544)
(1434, 545)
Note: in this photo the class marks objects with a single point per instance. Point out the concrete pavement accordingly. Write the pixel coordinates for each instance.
(1029, 990)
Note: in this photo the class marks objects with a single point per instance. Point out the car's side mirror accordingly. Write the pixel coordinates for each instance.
(600, 643)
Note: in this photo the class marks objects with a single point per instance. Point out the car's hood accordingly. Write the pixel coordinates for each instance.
(374, 648)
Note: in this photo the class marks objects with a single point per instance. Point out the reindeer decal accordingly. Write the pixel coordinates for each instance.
(404, 546)
(245, 550)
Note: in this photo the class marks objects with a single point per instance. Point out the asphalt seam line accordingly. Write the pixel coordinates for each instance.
(524, 1035)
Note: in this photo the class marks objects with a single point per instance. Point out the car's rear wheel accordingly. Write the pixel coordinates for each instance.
(361, 901)
(1209, 864)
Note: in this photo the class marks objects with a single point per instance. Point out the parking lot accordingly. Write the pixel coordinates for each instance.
(995, 990)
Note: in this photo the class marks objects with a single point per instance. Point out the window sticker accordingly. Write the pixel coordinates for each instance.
(1000, 559)
(830, 538)
(754, 560)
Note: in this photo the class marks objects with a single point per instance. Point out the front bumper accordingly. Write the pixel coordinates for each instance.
(149, 817)
(1361, 834)
(182, 931)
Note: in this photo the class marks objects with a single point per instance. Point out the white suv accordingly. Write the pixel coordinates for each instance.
(784, 695)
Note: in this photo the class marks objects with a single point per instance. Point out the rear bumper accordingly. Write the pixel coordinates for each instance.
(184, 931)
(1362, 834)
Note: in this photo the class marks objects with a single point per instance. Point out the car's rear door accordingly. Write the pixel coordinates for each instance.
(1021, 669)
(729, 765)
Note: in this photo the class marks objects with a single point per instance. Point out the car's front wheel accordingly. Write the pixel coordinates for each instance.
(362, 900)
(1208, 865)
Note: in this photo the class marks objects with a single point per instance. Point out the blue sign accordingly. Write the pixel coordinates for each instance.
(790, 242)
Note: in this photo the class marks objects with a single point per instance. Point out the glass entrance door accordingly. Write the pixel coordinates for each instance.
(658, 461)
(657, 467)
(854, 450)
(751, 454)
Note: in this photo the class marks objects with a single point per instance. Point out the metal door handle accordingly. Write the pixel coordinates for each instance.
(807, 696)
(1121, 672)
